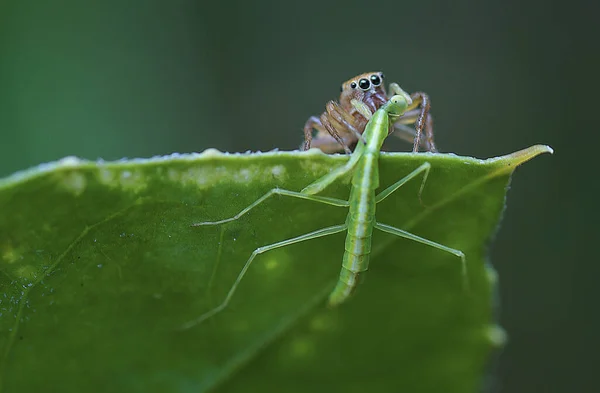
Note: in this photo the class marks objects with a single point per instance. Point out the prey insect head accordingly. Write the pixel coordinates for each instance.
(396, 106)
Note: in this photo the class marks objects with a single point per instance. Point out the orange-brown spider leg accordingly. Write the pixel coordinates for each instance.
(312, 122)
(411, 118)
(344, 119)
(421, 99)
(429, 133)
(324, 139)
(331, 129)
(328, 144)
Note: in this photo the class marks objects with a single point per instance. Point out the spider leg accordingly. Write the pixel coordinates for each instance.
(313, 122)
(328, 144)
(344, 119)
(421, 118)
(336, 121)
(421, 99)
(409, 134)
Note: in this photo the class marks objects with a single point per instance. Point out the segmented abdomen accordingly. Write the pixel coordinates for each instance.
(356, 261)
(360, 220)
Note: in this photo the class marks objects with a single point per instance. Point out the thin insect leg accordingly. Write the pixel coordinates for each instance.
(321, 183)
(213, 274)
(411, 236)
(307, 236)
(425, 167)
(344, 119)
(362, 108)
(277, 191)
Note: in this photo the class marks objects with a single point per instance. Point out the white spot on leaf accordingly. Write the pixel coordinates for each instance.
(74, 182)
(132, 181)
(106, 177)
(278, 171)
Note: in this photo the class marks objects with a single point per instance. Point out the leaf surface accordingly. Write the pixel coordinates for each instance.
(100, 268)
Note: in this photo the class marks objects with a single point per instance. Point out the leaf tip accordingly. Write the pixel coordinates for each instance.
(517, 158)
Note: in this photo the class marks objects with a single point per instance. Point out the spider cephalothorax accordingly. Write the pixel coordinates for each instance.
(342, 123)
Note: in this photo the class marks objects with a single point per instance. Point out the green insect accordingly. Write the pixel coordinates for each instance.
(361, 209)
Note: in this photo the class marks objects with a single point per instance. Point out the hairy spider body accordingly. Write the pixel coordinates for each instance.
(342, 124)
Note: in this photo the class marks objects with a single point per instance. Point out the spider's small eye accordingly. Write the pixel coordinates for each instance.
(364, 84)
(382, 76)
(353, 85)
(375, 80)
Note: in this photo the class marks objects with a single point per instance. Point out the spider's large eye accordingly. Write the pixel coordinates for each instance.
(353, 85)
(375, 80)
(364, 84)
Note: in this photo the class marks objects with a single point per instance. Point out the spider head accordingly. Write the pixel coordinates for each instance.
(367, 88)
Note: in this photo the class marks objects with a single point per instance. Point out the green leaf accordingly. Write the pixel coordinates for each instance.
(100, 269)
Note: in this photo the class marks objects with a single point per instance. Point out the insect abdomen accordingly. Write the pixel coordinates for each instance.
(347, 283)
(361, 218)
(356, 255)
(355, 262)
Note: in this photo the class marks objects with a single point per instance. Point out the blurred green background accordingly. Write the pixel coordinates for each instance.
(113, 79)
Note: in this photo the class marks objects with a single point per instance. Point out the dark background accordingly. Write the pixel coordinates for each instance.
(116, 79)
